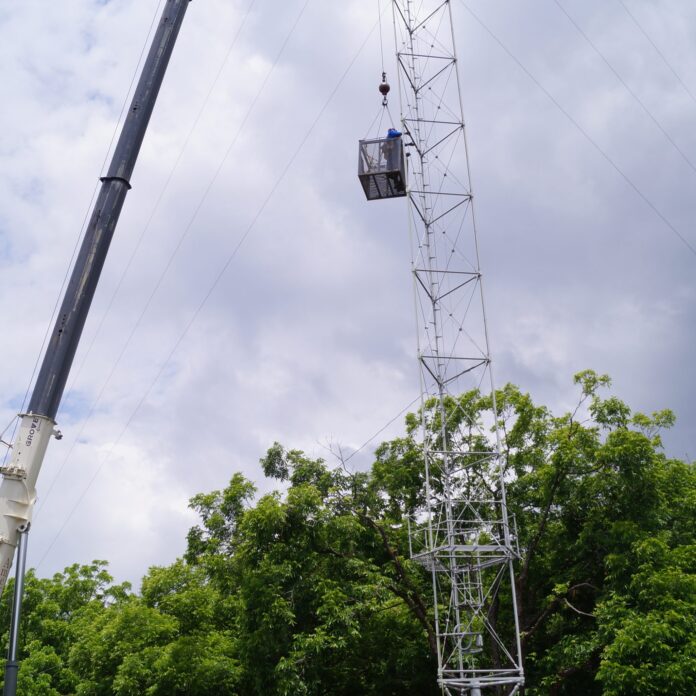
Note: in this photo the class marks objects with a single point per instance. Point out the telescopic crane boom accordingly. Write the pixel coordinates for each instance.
(37, 425)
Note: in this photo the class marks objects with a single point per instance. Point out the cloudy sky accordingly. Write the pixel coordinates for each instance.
(252, 295)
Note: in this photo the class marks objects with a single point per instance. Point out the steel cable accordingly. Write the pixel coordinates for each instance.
(209, 291)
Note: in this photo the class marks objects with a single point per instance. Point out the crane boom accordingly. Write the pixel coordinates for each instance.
(37, 425)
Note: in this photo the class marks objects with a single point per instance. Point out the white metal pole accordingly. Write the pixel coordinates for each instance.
(12, 666)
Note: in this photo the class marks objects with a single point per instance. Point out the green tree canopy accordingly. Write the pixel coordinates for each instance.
(310, 589)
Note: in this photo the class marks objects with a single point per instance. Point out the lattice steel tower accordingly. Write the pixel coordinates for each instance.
(463, 536)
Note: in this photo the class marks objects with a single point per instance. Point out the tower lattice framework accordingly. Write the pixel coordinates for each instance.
(463, 535)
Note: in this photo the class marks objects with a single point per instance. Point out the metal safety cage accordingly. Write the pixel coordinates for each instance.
(381, 168)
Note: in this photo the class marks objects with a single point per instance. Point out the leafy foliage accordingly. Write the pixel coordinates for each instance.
(309, 590)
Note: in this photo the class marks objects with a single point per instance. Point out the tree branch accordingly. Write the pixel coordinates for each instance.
(410, 595)
(559, 599)
(575, 609)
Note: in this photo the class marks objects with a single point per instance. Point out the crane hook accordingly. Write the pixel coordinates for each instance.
(384, 88)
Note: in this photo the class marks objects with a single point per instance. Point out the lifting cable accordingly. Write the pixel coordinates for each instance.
(381, 40)
(384, 87)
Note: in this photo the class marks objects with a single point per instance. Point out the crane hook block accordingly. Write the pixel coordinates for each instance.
(384, 88)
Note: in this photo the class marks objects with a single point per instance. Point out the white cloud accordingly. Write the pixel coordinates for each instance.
(309, 336)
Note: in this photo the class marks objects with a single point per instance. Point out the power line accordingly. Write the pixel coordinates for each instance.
(83, 226)
(657, 50)
(209, 292)
(133, 255)
(584, 133)
(636, 98)
(177, 247)
(164, 189)
(382, 429)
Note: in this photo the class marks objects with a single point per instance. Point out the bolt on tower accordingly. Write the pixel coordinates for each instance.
(463, 536)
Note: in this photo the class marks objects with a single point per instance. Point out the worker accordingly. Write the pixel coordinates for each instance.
(391, 148)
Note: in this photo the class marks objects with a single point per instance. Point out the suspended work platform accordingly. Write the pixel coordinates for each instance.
(381, 168)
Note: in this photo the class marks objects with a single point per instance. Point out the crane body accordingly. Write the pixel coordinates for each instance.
(37, 424)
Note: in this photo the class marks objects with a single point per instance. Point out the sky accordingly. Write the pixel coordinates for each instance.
(252, 295)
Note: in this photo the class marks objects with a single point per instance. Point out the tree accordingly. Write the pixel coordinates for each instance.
(310, 589)
(322, 596)
(315, 565)
(588, 490)
(53, 612)
(650, 627)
